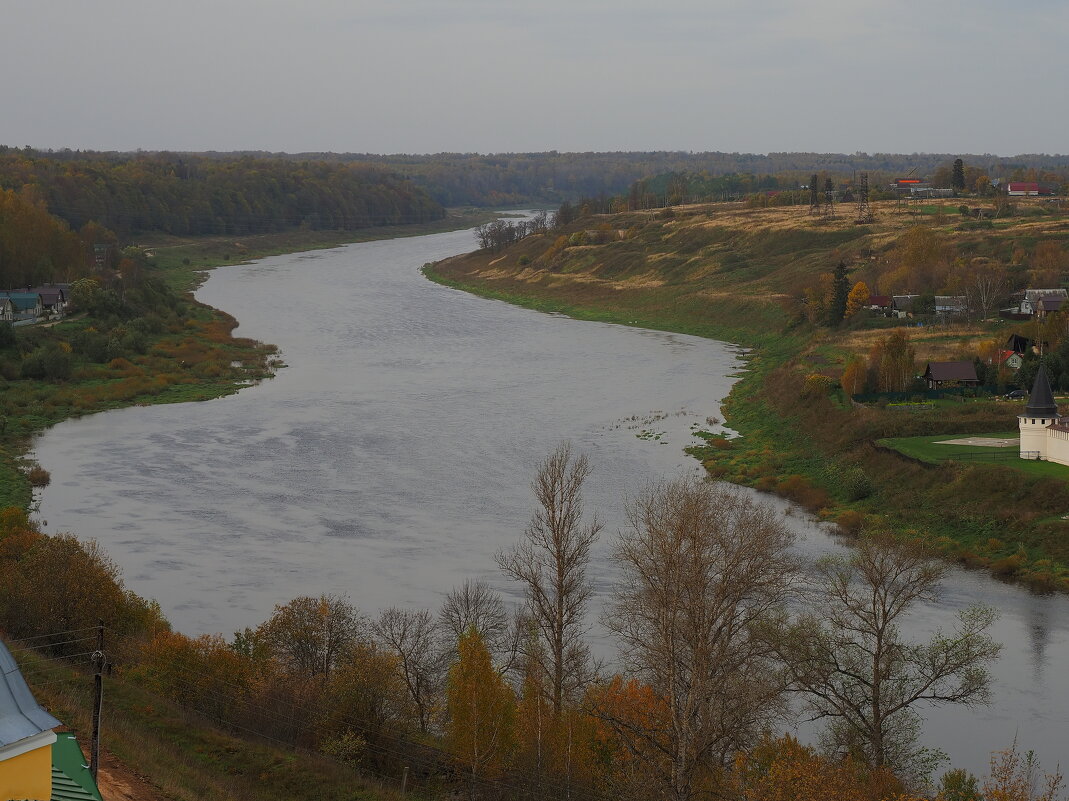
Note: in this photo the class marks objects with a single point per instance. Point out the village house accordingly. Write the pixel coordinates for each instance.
(879, 303)
(951, 304)
(36, 762)
(1027, 189)
(1048, 305)
(1030, 301)
(939, 374)
(1010, 359)
(902, 305)
(23, 306)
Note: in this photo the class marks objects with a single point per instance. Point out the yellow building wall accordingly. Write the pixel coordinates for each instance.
(27, 776)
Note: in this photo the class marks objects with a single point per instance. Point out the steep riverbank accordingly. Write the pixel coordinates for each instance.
(736, 275)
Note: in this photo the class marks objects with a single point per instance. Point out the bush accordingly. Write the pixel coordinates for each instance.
(850, 522)
(801, 491)
(817, 385)
(856, 484)
(49, 362)
(38, 476)
(8, 338)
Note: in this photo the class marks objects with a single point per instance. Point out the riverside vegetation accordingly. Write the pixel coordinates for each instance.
(473, 699)
(478, 700)
(777, 280)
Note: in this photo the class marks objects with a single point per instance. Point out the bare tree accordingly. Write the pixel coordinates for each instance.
(475, 605)
(848, 658)
(413, 635)
(551, 561)
(987, 288)
(704, 568)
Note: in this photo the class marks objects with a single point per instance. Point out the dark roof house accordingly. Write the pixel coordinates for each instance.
(936, 374)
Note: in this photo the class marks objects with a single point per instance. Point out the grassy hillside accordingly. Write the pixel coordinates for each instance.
(739, 274)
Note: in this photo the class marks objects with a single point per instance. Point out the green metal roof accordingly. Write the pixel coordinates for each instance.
(70, 772)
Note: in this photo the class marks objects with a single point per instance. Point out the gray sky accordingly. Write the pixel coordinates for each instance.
(389, 76)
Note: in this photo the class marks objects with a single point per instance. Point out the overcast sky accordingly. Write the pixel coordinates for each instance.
(424, 76)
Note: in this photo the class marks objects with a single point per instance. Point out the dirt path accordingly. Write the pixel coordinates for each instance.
(117, 782)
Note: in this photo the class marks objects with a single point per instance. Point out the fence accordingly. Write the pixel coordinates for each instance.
(992, 456)
(922, 395)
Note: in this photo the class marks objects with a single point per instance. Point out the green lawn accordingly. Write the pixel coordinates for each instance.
(927, 449)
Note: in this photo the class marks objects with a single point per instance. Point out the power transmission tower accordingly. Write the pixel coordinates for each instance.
(814, 195)
(864, 211)
(829, 199)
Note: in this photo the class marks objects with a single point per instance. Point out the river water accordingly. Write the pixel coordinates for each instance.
(392, 457)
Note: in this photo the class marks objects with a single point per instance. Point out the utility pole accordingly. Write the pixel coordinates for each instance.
(99, 660)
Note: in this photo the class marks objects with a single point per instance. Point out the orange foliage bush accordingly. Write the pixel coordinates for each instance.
(785, 770)
(801, 491)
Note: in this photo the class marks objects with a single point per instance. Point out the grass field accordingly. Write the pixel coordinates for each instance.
(928, 449)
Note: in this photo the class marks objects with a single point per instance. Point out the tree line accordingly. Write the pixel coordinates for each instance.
(193, 194)
(724, 637)
(501, 179)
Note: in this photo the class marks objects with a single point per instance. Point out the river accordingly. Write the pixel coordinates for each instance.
(392, 457)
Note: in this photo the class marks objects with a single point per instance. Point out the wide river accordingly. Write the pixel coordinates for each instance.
(393, 455)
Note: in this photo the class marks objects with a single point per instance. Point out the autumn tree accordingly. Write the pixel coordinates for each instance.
(551, 562)
(1016, 777)
(310, 635)
(892, 362)
(854, 377)
(703, 569)
(857, 298)
(848, 659)
(481, 707)
(413, 637)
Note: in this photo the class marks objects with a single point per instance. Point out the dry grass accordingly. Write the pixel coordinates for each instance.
(948, 342)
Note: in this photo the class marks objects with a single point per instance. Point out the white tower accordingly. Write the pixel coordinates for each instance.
(1038, 414)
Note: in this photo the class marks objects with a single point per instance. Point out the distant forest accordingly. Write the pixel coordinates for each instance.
(190, 194)
(253, 192)
(509, 178)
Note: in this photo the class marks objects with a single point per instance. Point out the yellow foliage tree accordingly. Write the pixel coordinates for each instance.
(482, 708)
(854, 376)
(857, 298)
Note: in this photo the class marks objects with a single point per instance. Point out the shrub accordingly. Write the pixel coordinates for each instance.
(801, 491)
(1008, 566)
(856, 484)
(38, 476)
(49, 362)
(817, 385)
(850, 522)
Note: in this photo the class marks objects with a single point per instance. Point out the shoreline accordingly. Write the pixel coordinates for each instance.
(184, 264)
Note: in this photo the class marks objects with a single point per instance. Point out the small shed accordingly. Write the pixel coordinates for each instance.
(939, 374)
(1018, 343)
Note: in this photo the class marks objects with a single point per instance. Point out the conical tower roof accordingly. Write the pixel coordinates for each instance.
(1041, 401)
